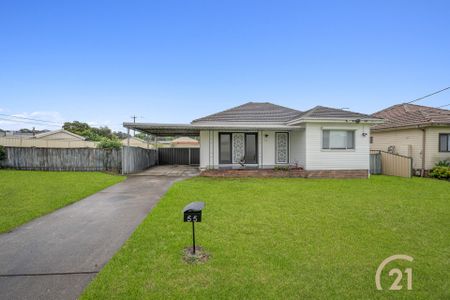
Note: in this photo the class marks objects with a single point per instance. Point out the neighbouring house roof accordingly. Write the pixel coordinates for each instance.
(411, 115)
(185, 140)
(254, 116)
(50, 133)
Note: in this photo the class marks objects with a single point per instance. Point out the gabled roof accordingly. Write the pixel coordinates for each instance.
(45, 134)
(322, 112)
(253, 112)
(412, 115)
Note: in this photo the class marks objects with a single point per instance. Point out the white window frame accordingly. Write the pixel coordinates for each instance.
(352, 131)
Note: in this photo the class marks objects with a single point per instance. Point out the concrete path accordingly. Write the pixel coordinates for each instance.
(55, 256)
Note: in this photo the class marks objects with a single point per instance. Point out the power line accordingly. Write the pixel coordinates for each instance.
(37, 120)
(28, 122)
(443, 106)
(429, 95)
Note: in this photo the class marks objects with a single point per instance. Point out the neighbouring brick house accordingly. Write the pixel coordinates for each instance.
(420, 132)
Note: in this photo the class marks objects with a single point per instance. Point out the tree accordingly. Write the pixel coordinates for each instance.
(109, 143)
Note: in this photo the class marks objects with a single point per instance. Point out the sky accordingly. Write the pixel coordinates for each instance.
(102, 62)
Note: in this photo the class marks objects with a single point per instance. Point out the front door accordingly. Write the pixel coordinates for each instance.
(251, 146)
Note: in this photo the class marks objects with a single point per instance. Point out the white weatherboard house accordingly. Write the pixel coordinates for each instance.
(263, 135)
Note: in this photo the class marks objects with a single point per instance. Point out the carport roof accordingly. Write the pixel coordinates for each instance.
(165, 129)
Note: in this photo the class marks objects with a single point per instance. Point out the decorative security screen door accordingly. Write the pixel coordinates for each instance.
(282, 147)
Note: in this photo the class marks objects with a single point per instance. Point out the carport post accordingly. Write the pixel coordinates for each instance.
(128, 137)
(156, 149)
(189, 156)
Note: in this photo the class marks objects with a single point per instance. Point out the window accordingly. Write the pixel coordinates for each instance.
(338, 139)
(444, 142)
(225, 148)
(282, 147)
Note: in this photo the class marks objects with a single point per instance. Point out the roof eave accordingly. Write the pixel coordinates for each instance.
(336, 120)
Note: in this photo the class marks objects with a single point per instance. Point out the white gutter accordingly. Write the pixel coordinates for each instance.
(336, 120)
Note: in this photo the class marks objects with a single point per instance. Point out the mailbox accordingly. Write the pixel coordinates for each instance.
(193, 212)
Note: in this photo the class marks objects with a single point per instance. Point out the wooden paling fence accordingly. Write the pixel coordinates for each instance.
(79, 159)
(382, 162)
(136, 159)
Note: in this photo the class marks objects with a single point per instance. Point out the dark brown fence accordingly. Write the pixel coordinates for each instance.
(178, 156)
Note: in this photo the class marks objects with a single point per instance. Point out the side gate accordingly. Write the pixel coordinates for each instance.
(179, 156)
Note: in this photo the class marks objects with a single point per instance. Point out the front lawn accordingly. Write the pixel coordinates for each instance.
(25, 195)
(288, 239)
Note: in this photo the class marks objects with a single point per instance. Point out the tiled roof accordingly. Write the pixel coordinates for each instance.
(265, 112)
(253, 112)
(328, 112)
(407, 115)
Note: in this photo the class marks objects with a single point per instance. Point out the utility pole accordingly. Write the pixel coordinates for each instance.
(134, 121)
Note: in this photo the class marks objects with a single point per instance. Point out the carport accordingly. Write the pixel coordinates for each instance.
(169, 156)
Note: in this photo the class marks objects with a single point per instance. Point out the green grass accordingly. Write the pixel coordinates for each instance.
(25, 195)
(287, 239)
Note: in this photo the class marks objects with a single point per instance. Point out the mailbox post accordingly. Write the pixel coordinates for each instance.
(193, 213)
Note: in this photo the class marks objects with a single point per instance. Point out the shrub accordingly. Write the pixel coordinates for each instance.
(443, 163)
(109, 143)
(2, 152)
(441, 172)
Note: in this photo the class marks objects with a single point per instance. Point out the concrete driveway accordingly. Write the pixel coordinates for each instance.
(55, 256)
(170, 170)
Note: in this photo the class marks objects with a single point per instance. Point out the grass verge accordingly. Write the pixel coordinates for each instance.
(26, 195)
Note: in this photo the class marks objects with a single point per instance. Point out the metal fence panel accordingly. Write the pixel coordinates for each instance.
(375, 163)
(179, 156)
(391, 164)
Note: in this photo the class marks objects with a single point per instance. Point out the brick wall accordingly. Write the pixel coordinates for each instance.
(295, 173)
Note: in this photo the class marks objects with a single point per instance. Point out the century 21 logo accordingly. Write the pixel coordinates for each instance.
(396, 286)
